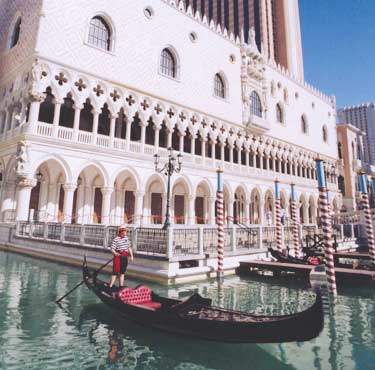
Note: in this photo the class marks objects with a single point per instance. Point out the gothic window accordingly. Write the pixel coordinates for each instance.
(168, 64)
(99, 33)
(14, 37)
(219, 88)
(341, 184)
(67, 112)
(47, 107)
(325, 134)
(279, 114)
(304, 128)
(339, 149)
(256, 105)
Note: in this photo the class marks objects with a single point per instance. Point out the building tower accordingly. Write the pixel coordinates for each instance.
(363, 117)
(276, 24)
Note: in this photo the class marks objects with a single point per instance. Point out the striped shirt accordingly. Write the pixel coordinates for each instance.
(120, 244)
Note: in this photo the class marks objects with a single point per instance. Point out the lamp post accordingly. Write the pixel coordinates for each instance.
(173, 165)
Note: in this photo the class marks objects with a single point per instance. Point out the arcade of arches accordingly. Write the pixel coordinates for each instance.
(89, 199)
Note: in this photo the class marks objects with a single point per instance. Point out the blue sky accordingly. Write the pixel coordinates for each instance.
(338, 40)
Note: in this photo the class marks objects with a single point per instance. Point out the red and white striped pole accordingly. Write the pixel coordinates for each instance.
(327, 228)
(297, 249)
(279, 234)
(220, 225)
(368, 217)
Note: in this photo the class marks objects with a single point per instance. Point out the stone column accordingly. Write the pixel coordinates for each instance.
(33, 115)
(119, 206)
(128, 132)
(69, 189)
(213, 151)
(222, 153)
(169, 138)
(106, 204)
(95, 125)
(211, 201)
(181, 143)
(230, 211)
(138, 209)
(156, 143)
(112, 127)
(261, 212)
(193, 146)
(143, 135)
(191, 208)
(80, 204)
(247, 211)
(203, 149)
(77, 116)
(231, 154)
(23, 193)
(56, 118)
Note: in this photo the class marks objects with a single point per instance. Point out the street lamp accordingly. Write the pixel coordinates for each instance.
(173, 165)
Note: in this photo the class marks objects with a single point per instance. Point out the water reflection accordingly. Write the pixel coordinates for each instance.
(36, 334)
(145, 348)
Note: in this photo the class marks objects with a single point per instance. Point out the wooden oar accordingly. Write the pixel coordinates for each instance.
(78, 285)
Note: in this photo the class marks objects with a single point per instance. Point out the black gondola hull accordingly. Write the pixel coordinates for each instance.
(257, 329)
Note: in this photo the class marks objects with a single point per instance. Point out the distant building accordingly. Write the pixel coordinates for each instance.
(350, 152)
(276, 24)
(363, 117)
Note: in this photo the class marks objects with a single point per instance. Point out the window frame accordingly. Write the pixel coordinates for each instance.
(171, 50)
(281, 110)
(258, 100)
(16, 22)
(112, 33)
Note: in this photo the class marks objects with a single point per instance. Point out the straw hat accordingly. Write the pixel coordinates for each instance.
(122, 227)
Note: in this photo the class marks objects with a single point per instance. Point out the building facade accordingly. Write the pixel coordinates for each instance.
(363, 117)
(275, 22)
(90, 93)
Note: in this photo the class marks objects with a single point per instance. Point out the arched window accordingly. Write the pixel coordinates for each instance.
(168, 64)
(279, 114)
(256, 105)
(99, 33)
(15, 33)
(304, 128)
(219, 89)
(339, 149)
(325, 134)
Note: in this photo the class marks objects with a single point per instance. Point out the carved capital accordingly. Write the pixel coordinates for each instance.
(70, 187)
(106, 190)
(24, 182)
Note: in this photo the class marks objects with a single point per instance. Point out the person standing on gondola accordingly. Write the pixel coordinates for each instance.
(120, 249)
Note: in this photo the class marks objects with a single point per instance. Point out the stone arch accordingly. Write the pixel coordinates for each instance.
(123, 207)
(155, 200)
(180, 200)
(239, 205)
(303, 211)
(269, 206)
(312, 210)
(256, 216)
(203, 192)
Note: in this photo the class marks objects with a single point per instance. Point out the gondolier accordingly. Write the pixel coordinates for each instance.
(120, 249)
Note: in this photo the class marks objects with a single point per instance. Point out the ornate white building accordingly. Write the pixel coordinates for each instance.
(90, 92)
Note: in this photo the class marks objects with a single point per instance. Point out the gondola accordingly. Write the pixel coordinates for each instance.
(281, 257)
(198, 318)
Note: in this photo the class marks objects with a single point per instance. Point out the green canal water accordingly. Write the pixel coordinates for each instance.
(35, 333)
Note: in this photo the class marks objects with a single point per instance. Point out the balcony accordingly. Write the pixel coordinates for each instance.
(258, 125)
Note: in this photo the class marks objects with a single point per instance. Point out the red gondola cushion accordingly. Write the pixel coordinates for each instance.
(139, 296)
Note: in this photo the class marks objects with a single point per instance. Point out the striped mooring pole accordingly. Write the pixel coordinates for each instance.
(279, 234)
(327, 228)
(297, 249)
(220, 225)
(368, 217)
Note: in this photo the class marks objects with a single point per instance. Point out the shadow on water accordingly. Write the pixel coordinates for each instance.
(174, 349)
